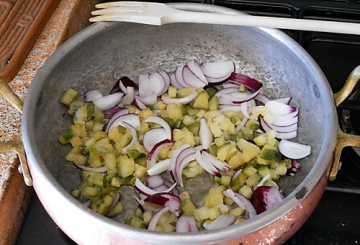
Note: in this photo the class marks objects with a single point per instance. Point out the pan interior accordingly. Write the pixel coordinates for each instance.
(124, 49)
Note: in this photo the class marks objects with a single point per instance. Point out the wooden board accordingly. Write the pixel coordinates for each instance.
(21, 23)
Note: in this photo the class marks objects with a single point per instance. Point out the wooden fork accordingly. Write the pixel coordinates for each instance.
(161, 14)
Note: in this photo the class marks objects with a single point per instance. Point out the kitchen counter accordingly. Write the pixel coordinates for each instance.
(69, 17)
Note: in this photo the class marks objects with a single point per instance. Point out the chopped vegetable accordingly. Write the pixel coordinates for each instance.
(201, 130)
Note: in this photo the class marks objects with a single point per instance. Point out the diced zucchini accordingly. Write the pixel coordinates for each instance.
(268, 152)
(90, 192)
(214, 104)
(201, 101)
(183, 92)
(249, 171)
(237, 211)
(175, 111)
(74, 106)
(116, 210)
(75, 193)
(253, 180)
(65, 138)
(214, 197)
(263, 171)
(68, 96)
(246, 191)
(172, 91)
(237, 160)
(281, 169)
(223, 151)
(126, 165)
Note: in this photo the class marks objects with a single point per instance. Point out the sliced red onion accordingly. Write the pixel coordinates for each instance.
(245, 109)
(159, 82)
(162, 123)
(186, 223)
(281, 128)
(154, 152)
(224, 220)
(286, 100)
(222, 166)
(134, 137)
(195, 68)
(155, 219)
(140, 187)
(159, 167)
(237, 173)
(108, 101)
(130, 118)
(240, 97)
(248, 82)
(293, 150)
(242, 202)
(206, 165)
(144, 85)
(173, 203)
(122, 84)
(235, 108)
(138, 103)
(217, 71)
(185, 157)
(289, 122)
(192, 80)
(184, 100)
(265, 197)
(242, 124)
(161, 200)
(193, 75)
(262, 98)
(154, 181)
(116, 198)
(280, 135)
(261, 183)
(179, 76)
(227, 90)
(278, 108)
(98, 170)
(148, 99)
(219, 80)
(295, 165)
(111, 112)
(174, 82)
(205, 134)
(129, 97)
(115, 116)
(281, 118)
(92, 95)
(231, 85)
(153, 137)
(175, 159)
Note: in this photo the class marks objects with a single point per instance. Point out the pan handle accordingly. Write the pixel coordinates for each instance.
(344, 139)
(15, 145)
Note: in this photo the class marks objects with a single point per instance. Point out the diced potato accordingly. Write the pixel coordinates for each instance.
(175, 111)
(68, 96)
(126, 165)
(202, 101)
(214, 197)
(172, 91)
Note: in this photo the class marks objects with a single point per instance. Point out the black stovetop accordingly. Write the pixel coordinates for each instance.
(336, 220)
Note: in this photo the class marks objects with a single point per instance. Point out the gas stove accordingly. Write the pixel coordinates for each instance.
(336, 220)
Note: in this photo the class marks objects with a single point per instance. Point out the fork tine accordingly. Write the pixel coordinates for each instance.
(127, 18)
(114, 11)
(119, 4)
